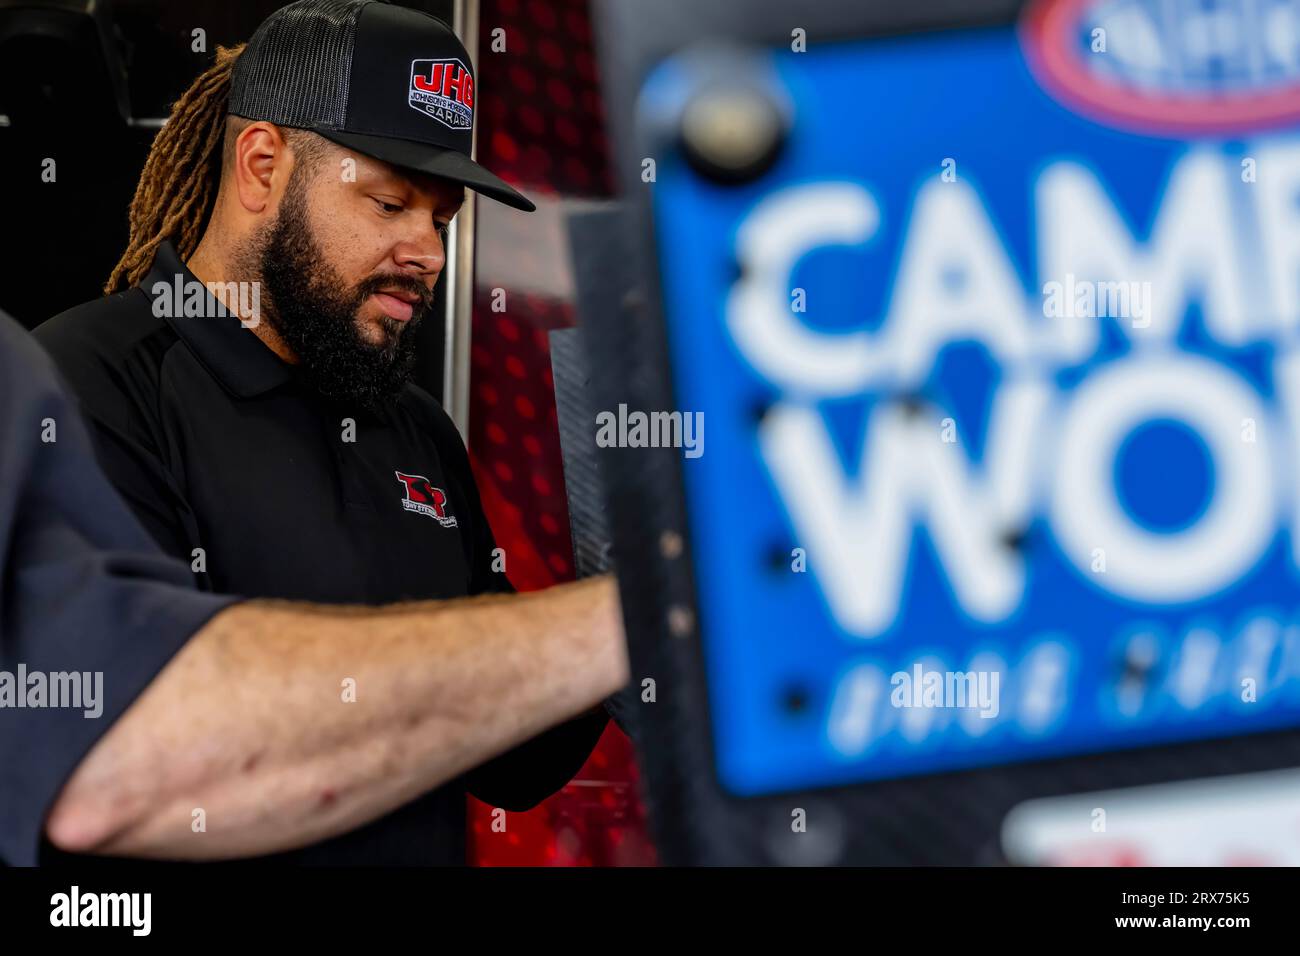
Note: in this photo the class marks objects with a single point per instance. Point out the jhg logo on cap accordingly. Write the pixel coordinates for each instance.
(443, 89)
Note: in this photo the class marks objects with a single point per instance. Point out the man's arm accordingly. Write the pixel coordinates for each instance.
(248, 721)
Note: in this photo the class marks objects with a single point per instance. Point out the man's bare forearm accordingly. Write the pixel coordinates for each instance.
(287, 724)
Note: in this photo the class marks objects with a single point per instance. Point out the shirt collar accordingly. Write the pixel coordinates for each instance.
(235, 356)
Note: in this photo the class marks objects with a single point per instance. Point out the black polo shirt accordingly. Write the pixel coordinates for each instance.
(239, 468)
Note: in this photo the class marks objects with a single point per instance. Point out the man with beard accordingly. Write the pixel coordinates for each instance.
(285, 454)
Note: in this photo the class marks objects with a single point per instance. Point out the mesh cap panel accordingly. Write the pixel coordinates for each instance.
(296, 68)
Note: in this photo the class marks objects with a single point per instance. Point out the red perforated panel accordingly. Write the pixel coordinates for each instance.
(541, 127)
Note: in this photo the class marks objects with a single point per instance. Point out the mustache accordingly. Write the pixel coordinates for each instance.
(401, 283)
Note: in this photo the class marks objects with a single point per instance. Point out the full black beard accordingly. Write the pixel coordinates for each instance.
(316, 313)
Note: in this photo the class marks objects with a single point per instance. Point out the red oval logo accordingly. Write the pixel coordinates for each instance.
(1169, 66)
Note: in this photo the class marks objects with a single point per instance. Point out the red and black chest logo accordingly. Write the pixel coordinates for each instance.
(423, 498)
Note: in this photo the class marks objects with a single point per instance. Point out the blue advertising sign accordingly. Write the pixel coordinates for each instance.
(999, 368)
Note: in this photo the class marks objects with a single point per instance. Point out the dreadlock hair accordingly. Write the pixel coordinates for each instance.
(178, 185)
(182, 175)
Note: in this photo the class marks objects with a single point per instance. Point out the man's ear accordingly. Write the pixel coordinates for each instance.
(260, 151)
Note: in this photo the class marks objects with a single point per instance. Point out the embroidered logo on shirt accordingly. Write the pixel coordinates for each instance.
(423, 498)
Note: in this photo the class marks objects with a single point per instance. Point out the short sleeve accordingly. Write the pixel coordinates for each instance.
(487, 575)
(520, 778)
(90, 609)
(534, 770)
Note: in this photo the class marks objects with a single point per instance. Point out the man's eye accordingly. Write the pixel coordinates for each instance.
(444, 229)
(388, 207)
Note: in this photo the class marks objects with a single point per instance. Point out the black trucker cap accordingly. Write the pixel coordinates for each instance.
(384, 80)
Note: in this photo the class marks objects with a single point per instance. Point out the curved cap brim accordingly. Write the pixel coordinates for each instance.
(434, 160)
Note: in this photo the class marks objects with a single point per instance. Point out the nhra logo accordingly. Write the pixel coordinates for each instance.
(423, 498)
(443, 89)
(1180, 67)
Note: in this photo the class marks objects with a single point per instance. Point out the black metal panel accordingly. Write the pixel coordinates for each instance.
(583, 486)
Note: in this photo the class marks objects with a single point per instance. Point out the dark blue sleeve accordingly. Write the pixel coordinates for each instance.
(90, 610)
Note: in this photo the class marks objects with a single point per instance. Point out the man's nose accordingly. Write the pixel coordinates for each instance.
(422, 255)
